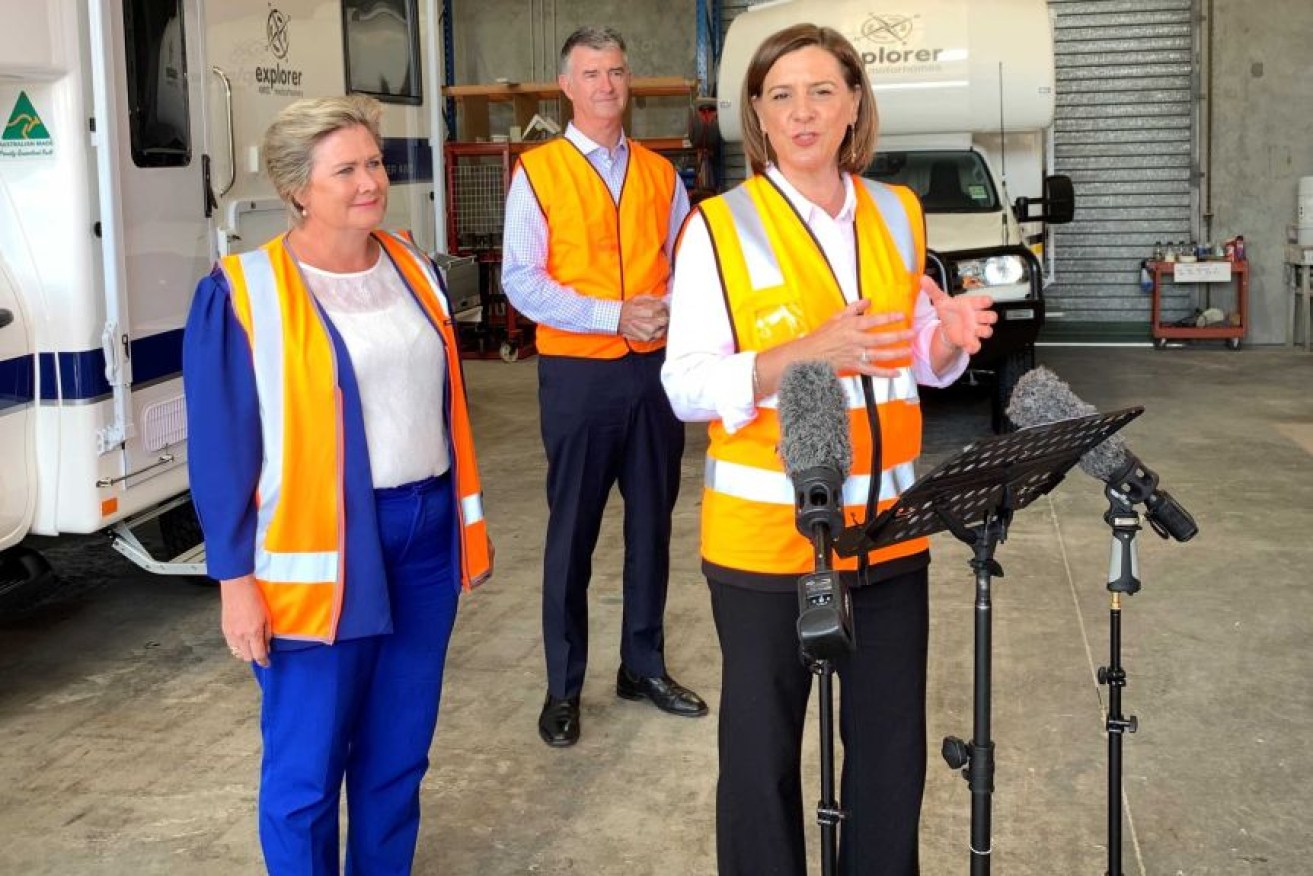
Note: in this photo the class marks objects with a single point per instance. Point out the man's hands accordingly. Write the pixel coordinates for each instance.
(245, 620)
(644, 318)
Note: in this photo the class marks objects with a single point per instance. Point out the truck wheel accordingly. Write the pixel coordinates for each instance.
(24, 577)
(1006, 374)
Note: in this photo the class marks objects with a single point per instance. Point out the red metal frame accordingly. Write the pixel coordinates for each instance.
(502, 333)
(1239, 276)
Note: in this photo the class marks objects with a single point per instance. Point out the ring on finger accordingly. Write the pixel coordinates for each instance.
(236, 653)
(864, 358)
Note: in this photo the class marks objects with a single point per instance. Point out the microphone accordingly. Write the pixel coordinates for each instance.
(1042, 397)
(814, 443)
(817, 453)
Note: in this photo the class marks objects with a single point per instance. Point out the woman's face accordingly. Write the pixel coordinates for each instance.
(348, 187)
(805, 109)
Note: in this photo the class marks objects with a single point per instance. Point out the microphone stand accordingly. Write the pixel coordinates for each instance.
(828, 812)
(1123, 577)
(974, 495)
(976, 759)
(825, 630)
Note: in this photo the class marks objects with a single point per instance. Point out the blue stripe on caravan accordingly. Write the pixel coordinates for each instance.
(17, 380)
(408, 159)
(82, 374)
(156, 356)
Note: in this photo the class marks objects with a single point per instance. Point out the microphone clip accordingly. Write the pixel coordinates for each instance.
(1136, 483)
(818, 500)
(825, 616)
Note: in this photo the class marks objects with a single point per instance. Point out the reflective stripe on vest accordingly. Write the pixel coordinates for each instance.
(597, 246)
(300, 528)
(298, 556)
(778, 286)
(775, 487)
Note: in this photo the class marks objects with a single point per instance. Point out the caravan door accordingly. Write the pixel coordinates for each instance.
(17, 381)
(163, 207)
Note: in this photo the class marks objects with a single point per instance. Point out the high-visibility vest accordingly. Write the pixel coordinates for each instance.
(300, 539)
(600, 248)
(778, 286)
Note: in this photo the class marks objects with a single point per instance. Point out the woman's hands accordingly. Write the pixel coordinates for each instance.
(245, 620)
(852, 341)
(964, 320)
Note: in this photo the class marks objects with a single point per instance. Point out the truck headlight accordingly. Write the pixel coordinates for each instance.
(1000, 270)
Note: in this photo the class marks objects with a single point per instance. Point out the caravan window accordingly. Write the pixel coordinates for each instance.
(382, 49)
(158, 114)
(946, 182)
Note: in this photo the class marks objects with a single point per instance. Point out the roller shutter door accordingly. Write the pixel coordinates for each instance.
(1124, 133)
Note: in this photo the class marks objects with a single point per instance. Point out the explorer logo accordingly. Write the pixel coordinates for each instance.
(279, 80)
(25, 135)
(891, 34)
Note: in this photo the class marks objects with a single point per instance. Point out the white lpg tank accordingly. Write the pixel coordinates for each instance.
(1303, 210)
(934, 65)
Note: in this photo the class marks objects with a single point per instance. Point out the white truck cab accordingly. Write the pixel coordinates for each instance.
(965, 93)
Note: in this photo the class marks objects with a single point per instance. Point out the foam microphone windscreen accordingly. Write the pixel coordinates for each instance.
(1042, 397)
(813, 413)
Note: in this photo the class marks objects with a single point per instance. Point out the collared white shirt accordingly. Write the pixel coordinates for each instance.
(525, 238)
(703, 375)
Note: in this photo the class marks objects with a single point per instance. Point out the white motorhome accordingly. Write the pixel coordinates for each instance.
(129, 161)
(966, 94)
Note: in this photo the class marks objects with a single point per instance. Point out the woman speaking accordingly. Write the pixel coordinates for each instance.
(808, 261)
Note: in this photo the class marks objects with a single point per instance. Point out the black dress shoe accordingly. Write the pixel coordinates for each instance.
(665, 693)
(558, 724)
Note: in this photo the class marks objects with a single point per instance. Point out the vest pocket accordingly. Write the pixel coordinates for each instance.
(774, 316)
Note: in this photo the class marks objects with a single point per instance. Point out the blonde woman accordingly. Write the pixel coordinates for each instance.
(333, 471)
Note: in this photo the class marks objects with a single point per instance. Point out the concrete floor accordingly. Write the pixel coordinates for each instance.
(131, 738)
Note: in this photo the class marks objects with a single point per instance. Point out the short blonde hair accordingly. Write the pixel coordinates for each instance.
(290, 142)
(858, 146)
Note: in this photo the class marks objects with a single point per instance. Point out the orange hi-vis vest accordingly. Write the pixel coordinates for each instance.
(778, 286)
(596, 246)
(300, 525)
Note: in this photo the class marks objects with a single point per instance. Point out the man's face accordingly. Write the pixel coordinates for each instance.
(597, 83)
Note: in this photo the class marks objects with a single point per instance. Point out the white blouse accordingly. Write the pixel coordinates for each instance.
(400, 366)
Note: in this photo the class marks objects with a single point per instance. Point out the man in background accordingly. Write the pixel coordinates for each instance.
(591, 221)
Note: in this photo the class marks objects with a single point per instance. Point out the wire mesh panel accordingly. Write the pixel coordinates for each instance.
(476, 200)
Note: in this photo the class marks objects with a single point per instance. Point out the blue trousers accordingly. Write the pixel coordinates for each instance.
(363, 709)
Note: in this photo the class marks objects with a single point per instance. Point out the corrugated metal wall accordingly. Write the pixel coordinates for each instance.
(1125, 134)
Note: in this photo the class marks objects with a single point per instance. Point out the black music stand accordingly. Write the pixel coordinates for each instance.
(974, 495)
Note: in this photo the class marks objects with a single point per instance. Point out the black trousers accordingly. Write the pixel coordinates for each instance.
(606, 422)
(763, 705)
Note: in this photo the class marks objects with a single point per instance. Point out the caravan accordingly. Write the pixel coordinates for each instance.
(129, 161)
